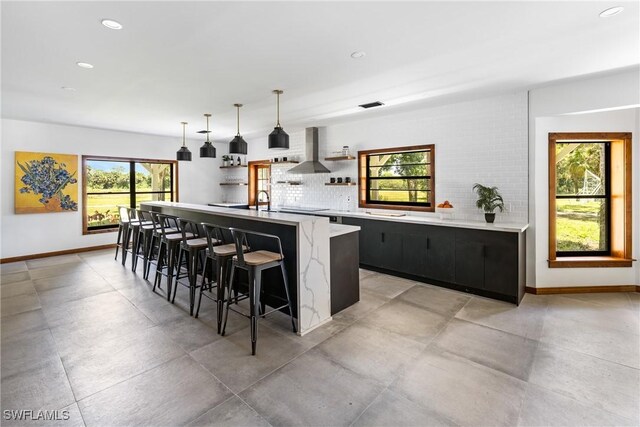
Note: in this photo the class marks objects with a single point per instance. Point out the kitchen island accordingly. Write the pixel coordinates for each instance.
(307, 251)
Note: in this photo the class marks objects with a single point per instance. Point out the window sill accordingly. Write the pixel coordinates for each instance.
(590, 262)
(104, 230)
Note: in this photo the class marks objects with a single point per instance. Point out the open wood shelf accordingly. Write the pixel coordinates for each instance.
(233, 167)
(337, 158)
(344, 184)
(285, 162)
(234, 183)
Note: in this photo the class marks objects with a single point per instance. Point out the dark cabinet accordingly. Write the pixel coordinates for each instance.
(486, 262)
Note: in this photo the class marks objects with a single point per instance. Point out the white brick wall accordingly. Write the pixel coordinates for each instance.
(483, 141)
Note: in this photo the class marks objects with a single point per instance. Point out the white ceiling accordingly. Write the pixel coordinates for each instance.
(174, 61)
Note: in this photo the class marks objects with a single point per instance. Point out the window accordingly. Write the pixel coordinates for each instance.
(397, 178)
(259, 180)
(110, 182)
(589, 200)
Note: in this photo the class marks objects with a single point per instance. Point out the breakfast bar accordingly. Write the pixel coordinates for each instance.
(306, 247)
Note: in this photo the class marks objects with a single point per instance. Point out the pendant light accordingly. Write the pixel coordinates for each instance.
(207, 149)
(183, 153)
(238, 145)
(278, 139)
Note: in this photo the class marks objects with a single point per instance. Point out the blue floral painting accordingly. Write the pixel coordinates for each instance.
(46, 182)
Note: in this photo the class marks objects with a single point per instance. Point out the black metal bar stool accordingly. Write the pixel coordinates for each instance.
(156, 237)
(131, 240)
(123, 231)
(167, 250)
(142, 240)
(192, 251)
(255, 263)
(220, 251)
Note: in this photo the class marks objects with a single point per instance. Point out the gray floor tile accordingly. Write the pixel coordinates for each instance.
(502, 351)
(100, 308)
(593, 339)
(159, 310)
(29, 321)
(281, 322)
(69, 416)
(81, 290)
(386, 286)
(230, 359)
(95, 368)
(42, 387)
(525, 320)
(26, 351)
(462, 391)
(634, 298)
(19, 276)
(595, 314)
(393, 409)
(12, 267)
(233, 412)
(52, 261)
(409, 320)
(545, 408)
(610, 299)
(603, 385)
(190, 333)
(371, 352)
(436, 299)
(67, 280)
(369, 302)
(365, 273)
(18, 288)
(171, 394)
(312, 390)
(59, 270)
(19, 304)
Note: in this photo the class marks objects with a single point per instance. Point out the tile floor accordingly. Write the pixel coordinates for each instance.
(81, 333)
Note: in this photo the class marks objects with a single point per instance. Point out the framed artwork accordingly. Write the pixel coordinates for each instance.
(46, 182)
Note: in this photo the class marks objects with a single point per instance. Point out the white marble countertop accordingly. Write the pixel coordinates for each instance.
(274, 217)
(430, 220)
(340, 229)
(227, 204)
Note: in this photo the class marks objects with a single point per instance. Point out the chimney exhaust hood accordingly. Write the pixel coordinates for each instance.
(311, 163)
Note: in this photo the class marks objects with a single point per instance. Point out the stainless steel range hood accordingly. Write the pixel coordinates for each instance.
(311, 163)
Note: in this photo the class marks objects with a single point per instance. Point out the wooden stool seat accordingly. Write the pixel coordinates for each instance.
(177, 236)
(196, 243)
(260, 257)
(227, 250)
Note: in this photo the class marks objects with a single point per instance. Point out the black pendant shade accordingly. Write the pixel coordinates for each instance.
(183, 154)
(207, 149)
(278, 139)
(238, 145)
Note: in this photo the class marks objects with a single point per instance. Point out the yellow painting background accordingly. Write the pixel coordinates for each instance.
(29, 202)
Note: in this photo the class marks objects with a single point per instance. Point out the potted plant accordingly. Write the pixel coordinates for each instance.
(488, 200)
(225, 160)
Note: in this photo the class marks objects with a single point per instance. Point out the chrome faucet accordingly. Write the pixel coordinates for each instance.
(258, 200)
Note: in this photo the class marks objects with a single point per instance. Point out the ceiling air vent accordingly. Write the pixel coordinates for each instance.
(371, 105)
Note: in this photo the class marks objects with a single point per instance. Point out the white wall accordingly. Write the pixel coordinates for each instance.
(483, 140)
(548, 109)
(38, 233)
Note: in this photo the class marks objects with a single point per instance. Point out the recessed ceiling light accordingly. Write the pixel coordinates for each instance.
(611, 11)
(358, 54)
(84, 65)
(70, 89)
(111, 24)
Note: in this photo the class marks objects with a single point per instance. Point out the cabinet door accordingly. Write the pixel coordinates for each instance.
(414, 249)
(391, 256)
(501, 263)
(469, 270)
(370, 240)
(440, 254)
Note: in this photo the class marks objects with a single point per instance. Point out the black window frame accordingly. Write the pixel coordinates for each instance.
(133, 199)
(366, 179)
(606, 196)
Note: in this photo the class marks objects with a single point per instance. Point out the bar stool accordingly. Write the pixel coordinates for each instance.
(192, 251)
(154, 245)
(142, 240)
(131, 238)
(255, 263)
(123, 230)
(167, 250)
(220, 251)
